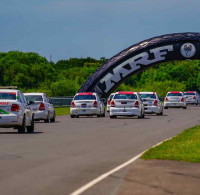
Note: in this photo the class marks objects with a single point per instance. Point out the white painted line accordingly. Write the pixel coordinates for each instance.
(105, 175)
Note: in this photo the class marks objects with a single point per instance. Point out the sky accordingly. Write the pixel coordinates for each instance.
(90, 28)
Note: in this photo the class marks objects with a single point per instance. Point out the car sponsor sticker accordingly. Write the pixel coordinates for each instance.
(3, 112)
(4, 103)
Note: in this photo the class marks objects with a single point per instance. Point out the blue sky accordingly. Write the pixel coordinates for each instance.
(90, 28)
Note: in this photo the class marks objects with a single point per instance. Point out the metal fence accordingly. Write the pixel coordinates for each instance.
(65, 101)
(61, 101)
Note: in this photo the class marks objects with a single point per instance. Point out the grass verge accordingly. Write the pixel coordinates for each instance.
(62, 111)
(183, 147)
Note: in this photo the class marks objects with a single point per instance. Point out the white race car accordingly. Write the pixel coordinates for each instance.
(109, 100)
(192, 97)
(15, 111)
(175, 99)
(126, 103)
(152, 103)
(87, 104)
(42, 106)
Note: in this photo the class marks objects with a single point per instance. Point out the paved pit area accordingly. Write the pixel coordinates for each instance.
(61, 157)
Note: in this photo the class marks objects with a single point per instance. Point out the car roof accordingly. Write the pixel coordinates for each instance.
(112, 94)
(87, 93)
(126, 92)
(174, 92)
(9, 90)
(190, 92)
(148, 92)
(34, 93)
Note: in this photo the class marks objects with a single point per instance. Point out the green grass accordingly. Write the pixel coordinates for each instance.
(183, 147)
(62, 111)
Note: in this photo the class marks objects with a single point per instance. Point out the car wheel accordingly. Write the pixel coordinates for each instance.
(185, 107)
(141, 115)
(165, 107)
(54, 118)
(77, 116)
(103, 115)
(113, 117)
(161, 113)
(30, 129)
(72, 116)
(98, 115)
(47, 120)
(22, 128)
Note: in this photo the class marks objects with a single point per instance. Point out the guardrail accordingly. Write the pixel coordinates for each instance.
(65, 101)
(61, 101)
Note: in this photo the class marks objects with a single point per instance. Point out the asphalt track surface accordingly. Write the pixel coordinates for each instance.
(61, 157)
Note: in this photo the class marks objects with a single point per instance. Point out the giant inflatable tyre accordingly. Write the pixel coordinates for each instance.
(136, 58)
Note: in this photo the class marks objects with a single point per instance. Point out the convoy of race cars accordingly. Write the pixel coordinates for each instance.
(129, 103)
(20, 110)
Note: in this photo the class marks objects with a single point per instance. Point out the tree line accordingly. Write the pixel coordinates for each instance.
(34, 73)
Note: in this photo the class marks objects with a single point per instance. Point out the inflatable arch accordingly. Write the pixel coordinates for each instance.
(119, 68)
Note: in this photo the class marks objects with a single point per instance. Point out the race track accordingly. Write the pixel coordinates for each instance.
(61, 157)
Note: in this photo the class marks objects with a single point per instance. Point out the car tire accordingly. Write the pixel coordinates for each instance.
(77, 116)
(103, 115)
(47, 120)
(98, 115)
(141, 115)
(113, 117)
(165, 107)
(22, 128)
(185, 107)
(54, 118)
(161, 113)
(72, 116)
(30, 129)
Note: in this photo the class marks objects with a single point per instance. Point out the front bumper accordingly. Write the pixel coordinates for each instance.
(152, 109)
(125, 111)
(10, 120)
(175, 104)
(85, 111)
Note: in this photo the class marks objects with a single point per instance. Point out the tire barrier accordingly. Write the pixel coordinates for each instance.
(165, 48)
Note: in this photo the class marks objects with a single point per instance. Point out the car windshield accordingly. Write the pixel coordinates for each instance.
(35, 98)
(147, 96)
(125, 96)
(85, 97)
(189, 94)
(111, 96)
(174, 94)
(7, 95)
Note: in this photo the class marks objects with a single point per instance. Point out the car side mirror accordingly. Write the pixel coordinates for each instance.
(104, 100)
(161, 98)
(51, 101)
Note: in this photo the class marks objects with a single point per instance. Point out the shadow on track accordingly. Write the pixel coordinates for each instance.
(4, 133)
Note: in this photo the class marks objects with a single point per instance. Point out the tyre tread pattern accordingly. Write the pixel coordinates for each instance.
(168, 38)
